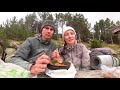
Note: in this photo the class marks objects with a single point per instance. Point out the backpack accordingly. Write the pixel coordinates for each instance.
(100, 51)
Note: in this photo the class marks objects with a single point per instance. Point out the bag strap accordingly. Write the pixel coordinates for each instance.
(3, 54)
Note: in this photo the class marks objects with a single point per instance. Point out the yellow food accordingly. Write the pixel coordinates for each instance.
(59, 60)
(59, 64)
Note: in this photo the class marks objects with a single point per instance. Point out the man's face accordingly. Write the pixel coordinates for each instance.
(47, 32)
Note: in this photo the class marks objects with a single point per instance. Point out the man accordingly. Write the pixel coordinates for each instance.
(35, 53)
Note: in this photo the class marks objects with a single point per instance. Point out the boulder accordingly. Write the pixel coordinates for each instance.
(14, 44)
(10, 52)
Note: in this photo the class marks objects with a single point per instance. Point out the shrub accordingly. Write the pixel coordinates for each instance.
(95, 43)
(56, 37)
(3, 39)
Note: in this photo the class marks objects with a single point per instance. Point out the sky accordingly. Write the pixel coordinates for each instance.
(92, 17)
(9, 15)
(96, 16)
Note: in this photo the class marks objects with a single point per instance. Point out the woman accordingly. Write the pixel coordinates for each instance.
(72, 51)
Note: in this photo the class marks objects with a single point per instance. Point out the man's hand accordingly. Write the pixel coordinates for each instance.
(40, 65)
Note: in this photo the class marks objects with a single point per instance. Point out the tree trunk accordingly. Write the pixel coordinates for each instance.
(111, 40)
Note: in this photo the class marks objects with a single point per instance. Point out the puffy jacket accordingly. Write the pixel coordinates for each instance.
(78, 55)
(30, 50)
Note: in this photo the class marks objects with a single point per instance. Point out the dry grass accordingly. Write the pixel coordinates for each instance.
(115, 47)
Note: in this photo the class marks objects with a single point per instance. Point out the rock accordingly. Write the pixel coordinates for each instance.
(8, 58)
(118, 52)
(10, 52)
(14, 44)
(89, 74)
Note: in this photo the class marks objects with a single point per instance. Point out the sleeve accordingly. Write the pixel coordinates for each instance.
(85, 58)
(21, 55)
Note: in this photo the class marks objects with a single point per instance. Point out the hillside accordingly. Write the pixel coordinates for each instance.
(115, 47)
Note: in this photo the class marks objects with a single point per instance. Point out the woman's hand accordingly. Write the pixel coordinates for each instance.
(55, 54)
(40, 65)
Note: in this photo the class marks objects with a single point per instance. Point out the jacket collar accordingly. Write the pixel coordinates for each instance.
(71, 47)
(45, 42)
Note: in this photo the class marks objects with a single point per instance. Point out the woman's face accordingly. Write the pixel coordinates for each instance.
(69, 37)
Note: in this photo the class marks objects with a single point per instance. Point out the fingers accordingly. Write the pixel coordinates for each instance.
(42, 61)
(44, 57)
(56, 50)
(39, 68)
(40, 64)
(37, 71)
(55, 53)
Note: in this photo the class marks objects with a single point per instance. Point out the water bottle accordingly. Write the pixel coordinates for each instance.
(104, 67)
(107, 72)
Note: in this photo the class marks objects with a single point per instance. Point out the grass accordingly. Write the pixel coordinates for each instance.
(114, 47)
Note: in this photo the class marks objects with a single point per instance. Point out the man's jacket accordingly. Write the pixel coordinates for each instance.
(30, 50)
